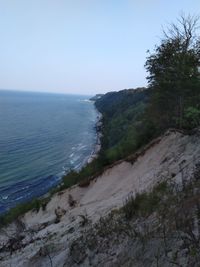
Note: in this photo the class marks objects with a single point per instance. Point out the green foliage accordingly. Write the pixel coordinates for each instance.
(86, 173)
(124, 130)
(144, 204)
(138, 135)
(192, 117)
(174, 76)
(131, 118)
(20, 209)
(70, 179)
(123, 116)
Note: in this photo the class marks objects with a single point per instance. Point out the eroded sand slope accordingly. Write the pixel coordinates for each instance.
(163, 159)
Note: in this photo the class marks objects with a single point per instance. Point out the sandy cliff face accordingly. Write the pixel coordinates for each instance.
(52, 237)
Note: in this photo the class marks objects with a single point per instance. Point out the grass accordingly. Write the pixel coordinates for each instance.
(83, 178)
(144, 204)
(88, 172)
(20, 209)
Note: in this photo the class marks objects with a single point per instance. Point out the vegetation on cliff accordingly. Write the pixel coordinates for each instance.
(123, 113)
(156, 228)
(174, 75)
(131, 118)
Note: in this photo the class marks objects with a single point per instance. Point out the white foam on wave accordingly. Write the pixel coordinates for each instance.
(78, 166)
(19, 198)
(85, 100)
(81, 146)
(4, 197)
(26, 187)
(72, 161)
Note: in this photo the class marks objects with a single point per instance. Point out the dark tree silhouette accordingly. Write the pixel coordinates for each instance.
(174, 75)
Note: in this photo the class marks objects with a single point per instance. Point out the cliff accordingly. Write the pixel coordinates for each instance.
(108, 224)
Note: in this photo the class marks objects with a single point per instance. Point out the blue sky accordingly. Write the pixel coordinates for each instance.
(81, 46)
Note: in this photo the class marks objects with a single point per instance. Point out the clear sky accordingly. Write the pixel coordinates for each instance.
(81, 46)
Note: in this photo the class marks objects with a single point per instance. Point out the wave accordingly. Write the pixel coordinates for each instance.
(25, 191)
(58, 136)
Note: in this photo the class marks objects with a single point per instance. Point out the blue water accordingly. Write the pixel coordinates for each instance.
(41, 136)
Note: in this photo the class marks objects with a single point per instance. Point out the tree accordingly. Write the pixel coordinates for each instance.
(174, 74)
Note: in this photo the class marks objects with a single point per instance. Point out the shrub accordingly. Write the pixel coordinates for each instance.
(21, 209)
(144, 203)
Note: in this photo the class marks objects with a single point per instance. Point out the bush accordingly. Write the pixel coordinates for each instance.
(21, 209)
(192, 117)
(144, 204)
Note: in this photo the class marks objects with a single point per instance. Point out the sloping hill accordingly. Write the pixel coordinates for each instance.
(48, 237)
(122, 116)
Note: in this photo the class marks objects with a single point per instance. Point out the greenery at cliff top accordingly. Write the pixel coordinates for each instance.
(131, 118)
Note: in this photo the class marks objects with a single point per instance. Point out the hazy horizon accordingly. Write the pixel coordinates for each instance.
(81, 47)
(46, 92)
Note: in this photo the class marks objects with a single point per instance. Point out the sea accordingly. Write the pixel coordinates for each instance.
(42, 137)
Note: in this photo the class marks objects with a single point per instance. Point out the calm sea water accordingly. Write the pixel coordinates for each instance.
(41, 136)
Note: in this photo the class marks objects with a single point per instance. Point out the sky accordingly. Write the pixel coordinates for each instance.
(81, 46)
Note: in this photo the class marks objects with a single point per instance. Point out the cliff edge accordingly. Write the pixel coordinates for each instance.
(54, 235)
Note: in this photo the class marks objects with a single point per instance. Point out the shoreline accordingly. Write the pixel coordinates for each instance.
(97, 146)
(93, 155)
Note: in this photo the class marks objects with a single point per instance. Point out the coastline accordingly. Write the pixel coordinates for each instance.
(97, 146)
(55, 180)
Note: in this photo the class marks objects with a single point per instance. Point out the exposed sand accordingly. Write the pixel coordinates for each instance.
(162, 160)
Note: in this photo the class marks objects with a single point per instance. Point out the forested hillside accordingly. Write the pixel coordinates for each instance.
(122, 116)
(133, 117)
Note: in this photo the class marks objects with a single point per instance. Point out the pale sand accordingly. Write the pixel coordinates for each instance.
(160, 162)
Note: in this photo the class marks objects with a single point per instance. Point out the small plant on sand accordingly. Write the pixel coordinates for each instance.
(144, 203)
(71, 201)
